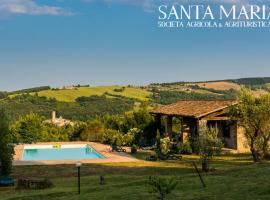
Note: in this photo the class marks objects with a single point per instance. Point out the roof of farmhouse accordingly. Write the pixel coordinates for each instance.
(194, 109)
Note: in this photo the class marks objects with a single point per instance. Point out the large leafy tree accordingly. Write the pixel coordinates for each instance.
(93, 131)
(253, 114)
(29, 129)
(139, 119)
(6, 148)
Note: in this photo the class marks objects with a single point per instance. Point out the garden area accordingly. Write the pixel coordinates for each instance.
(231, 177)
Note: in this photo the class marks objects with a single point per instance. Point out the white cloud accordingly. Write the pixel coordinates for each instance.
(30, 7)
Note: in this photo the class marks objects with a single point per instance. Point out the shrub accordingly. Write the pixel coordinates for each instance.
(34, 184)
(162, 186)
(130, 137)
(209, 145)
(46, 183)
(134, 149)
(165, 145)
(184, 148)
(122, 89)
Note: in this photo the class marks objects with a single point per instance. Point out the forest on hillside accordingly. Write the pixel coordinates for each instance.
(249, 82)
(83, 109)
(22, 102)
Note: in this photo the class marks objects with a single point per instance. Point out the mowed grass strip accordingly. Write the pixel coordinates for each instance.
(234, 177)
(72, 95)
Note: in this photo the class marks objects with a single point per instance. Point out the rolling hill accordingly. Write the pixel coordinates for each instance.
(219, 89)
(221, 85)
(253, 83)
(85, 102)
(71, 95)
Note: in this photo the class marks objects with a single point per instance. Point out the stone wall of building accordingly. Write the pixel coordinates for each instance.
(242, 144)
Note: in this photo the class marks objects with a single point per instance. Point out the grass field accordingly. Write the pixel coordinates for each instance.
(222, 85)
(235, 177)
(71, 95)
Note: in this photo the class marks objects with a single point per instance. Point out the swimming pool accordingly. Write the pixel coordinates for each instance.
(60, 152)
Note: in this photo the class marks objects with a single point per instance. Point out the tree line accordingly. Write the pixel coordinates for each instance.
(30, 90)
(83, 109)
(248, 82)
(167, 97)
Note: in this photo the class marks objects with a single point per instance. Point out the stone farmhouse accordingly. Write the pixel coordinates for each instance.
(195, 114)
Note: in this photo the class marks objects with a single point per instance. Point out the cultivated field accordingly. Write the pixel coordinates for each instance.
(71, 95)
(219, 85)
(234, 177)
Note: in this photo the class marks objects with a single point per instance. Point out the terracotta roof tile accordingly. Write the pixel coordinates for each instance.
(195, 109)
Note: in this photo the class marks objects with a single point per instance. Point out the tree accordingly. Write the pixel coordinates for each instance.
(253, 114)
(29, 129)
(93, 131)
(209, 145)
(266, 124)
(162, 186)
(112, 137)
(131, 137)
(3, 95)
(6, 148)
(135, 120)
(146, 123)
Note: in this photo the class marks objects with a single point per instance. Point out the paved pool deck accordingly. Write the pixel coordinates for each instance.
(110, 157)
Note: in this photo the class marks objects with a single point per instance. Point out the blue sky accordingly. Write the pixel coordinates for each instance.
(104, 42)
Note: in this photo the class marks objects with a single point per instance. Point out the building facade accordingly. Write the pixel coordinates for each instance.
(197, 114)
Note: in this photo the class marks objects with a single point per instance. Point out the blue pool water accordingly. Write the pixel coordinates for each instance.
(78, 153)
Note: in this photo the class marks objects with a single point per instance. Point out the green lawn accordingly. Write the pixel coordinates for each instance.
(71, 95)
(233, 177)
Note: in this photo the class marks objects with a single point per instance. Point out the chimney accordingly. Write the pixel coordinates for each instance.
(53, 115)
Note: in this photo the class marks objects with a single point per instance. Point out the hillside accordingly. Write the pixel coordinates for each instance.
(253, 83)
(165, 93)
(259, 82)
(222, 85)
(85, 102)
(83, 109)
(218, 87)
(70, 95)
